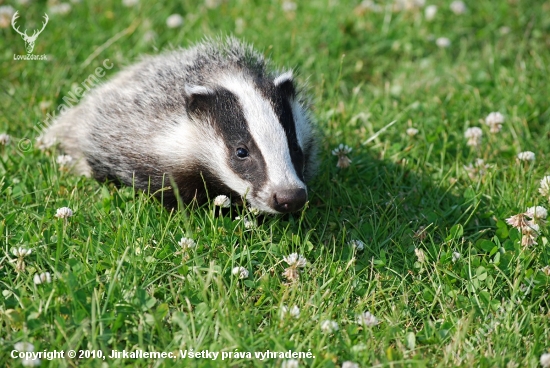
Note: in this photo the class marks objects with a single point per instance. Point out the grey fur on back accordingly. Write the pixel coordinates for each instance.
(111, 132)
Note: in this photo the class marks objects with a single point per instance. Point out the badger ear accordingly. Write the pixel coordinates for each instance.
(197, 97)
(285, 83)
(197, 90)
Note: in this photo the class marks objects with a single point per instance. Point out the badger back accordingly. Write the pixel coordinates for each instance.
(214, 119)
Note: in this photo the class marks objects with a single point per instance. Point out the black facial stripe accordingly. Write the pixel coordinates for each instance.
(224, 111)
(280, 97)
(196, 182)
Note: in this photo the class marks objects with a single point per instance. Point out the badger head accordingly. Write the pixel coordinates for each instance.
(252, 137)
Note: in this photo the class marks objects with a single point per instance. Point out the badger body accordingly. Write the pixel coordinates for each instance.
(215, 119)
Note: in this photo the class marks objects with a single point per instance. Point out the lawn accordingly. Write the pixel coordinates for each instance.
(413, 231)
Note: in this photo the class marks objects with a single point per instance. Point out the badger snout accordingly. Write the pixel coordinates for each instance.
(288, 200)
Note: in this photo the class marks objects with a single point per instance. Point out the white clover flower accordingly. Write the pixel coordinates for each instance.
(456, 256)
(30, 362)
(241, 272)
(430, 12)
(357, 245)
(130, 3)
(350, 364)
(518, 221)
(405, 5)
(341, 151)
(546, 270)
(343, 162)
(421, 233)
(504, 30)
(295, 260)
(512, 364)
(545, 360)
(290, 363)
(222, 201)
(370, 5)
(477, 170)
(27, 347)
(537, 212)
(358, 348)
(24, 346)
(248, 224)
(289, 6)
(366, 319)
(291, 274)
(6, 13)
(64, 160)
(62, 8)
(494, 120)
(473, 135)
(531, 229)
(411, 132)
(149, 36)
(283, 311)
(43, 143)
(545, 187)
(458, 7)
(530, 234)
(329, 326)
(254, 210)
(211, 4)
(63, 212)
(187, 243)
(4, 139)
(420, 255)
(21, 252)
(295, 311)
(44, 105)
(526, 156)
(239, 25)
(44, 277)
(174, 21)
(443, 42)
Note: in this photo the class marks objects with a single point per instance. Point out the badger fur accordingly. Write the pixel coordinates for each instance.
(214, 119)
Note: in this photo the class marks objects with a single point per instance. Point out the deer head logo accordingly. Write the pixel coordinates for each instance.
(29, 40)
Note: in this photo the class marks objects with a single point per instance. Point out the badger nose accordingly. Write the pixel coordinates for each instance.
(289, 200)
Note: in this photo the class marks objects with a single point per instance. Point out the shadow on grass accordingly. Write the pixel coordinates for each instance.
(391, 209)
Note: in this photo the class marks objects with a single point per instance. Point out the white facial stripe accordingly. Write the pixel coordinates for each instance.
(169, 143)
(189, 142)
(267, 132)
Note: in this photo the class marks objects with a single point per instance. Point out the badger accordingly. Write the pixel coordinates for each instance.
(213, 119)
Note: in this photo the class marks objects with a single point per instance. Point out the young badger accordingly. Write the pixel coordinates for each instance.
(213, 118)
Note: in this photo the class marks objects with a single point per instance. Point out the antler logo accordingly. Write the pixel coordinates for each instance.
(29, 40)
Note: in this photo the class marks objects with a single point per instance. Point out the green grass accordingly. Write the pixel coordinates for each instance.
(118, 282)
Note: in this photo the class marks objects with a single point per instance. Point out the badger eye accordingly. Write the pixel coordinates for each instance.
(241, 152)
